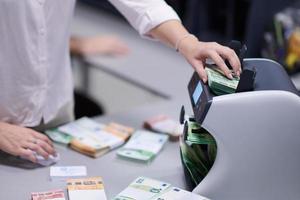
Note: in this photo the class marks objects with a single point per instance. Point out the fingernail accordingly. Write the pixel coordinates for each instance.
(204, 80)
(230, 76)
(238, 73)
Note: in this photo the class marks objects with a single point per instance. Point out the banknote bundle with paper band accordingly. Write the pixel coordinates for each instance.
(164, 124)
(220, 84)
(50, 195)
(149, 189)
(90, 137)
(86, 189)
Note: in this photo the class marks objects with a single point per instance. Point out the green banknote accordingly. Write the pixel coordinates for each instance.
(149, 189)
(220, 84)
(143, 146)
(175, 193)
(143, 189)
(198, 151)
(198, 135)
(58, 136)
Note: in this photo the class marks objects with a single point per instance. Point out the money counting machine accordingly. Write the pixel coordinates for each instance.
(257, 134)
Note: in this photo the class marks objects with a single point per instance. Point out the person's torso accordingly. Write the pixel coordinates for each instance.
(35, 76)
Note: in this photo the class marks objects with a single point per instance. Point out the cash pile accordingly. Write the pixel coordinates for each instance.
(198, 151)
(149, 189)
(86, 189)
(166, 125)
(143, 146)
(50, 195)
(90, 137)
(220, 84)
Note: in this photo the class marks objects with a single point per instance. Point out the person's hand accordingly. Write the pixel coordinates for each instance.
(98, 45)
(19, 141)
(197, 52)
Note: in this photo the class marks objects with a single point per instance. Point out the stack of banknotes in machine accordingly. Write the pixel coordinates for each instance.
(149, 189)
(220, 84)
(198, 151)
(90, 137)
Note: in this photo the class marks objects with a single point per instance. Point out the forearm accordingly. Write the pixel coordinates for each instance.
(75, 45)
(144, 15)
(173, 34)
(156, 19)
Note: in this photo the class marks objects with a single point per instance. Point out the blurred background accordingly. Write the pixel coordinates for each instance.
(270, 29)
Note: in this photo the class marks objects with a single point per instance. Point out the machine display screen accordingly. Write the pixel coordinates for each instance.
(197, 93)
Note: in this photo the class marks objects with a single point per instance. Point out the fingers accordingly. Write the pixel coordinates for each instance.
(41, 137)
(200, 70)
(45, 146)
(218, 53)
(231, 56)
(37, 147)
(28, 154)
(24, 142)
(220, 63)
(43, 142)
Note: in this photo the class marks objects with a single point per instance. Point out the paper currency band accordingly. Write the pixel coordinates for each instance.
(179, 41)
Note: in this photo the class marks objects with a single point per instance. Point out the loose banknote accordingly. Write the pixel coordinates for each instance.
(49, 195)
(143, 146)
(86, 189)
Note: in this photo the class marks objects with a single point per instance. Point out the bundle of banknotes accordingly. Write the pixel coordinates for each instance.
(90, 137)
(165, 124)
(90, 188)
(149, 189)
(143, 146)
(49, 195)
(86, 189)
(219, 83)
(198, 151)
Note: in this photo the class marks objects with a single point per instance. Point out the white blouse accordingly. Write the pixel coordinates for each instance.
(35, 73)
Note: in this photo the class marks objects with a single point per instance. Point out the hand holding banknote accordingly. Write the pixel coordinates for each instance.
(196, 54)
(24, 142)
(173, 33)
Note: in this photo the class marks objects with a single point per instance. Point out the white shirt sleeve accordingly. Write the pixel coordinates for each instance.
(144, 15)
